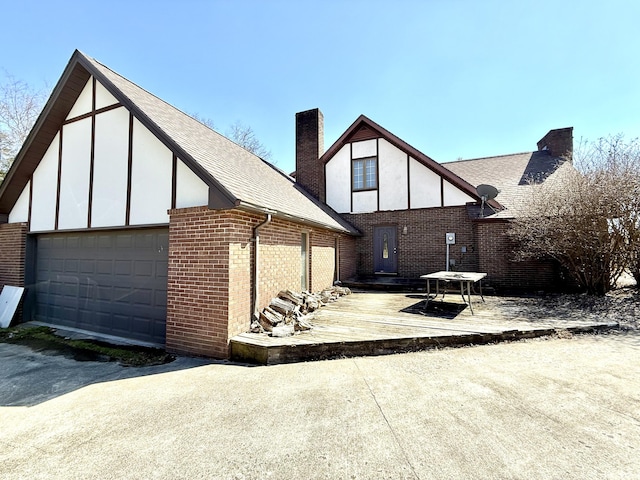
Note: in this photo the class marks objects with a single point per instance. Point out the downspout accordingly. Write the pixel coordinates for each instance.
(256, 262)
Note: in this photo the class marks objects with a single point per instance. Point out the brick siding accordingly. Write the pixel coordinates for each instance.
(13, 237)
(504, 272)
(323, 260)
(348, 265)
(422, 249)
(209, 289)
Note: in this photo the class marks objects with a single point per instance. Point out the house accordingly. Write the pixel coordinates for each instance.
(124, 216)
(404, 203)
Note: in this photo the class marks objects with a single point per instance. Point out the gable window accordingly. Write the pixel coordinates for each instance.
(365, 175)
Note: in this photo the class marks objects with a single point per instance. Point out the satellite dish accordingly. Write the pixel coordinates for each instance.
(486, 192)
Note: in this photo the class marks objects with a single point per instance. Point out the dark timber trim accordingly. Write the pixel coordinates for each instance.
(408, 182)
(30, 200)
(93, 150)
(93, 111)
(59, 178)
(351, 174)
(119, 227)
(174, 181)
(377, 175)
(129, 169)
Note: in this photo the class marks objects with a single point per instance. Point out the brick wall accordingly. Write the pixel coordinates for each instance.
(348, 266)
(323, 260)
(309, 148)
(497, 258)
(559, 142)
(422, 249)
(209, 289)
(280, 258)
(198, 282)
(13, 237)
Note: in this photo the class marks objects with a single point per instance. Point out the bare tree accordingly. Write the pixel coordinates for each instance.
(20, 105)
(203, 120)
(244, 136)
(588, 217)
(241, 134)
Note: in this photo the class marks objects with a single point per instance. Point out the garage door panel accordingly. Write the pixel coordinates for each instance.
(87, 266)
(143, 268)
(142, 296)
(108, 282)
(104, 267)
(88, 242)
(72, 242)
(105, 241)
(71, 266)
(160, 300)
(56, 265)
(142, 325)
(162, 269)
(122, 267)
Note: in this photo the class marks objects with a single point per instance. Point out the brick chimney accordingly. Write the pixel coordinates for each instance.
(558, 142)
(309, 148)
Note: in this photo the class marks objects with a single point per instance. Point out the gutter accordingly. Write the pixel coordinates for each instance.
(247, 207)
(256, 262)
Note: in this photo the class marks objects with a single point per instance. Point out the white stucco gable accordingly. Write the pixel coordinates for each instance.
(104, 168)
(370, 170)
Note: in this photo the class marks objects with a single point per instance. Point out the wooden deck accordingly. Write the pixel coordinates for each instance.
(376, 323)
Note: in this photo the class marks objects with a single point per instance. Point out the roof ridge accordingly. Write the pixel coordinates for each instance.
(487, 157)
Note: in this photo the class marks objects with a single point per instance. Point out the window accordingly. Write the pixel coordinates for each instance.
(365, 176)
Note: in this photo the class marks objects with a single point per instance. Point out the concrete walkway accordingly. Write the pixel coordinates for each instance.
(536, 409)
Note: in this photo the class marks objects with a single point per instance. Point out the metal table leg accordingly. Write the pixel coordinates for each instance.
(469, 296)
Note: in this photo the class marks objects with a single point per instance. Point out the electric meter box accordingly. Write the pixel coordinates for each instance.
(450, 238)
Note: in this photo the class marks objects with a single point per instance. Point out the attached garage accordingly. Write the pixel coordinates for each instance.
(123, 216)
(109, 282)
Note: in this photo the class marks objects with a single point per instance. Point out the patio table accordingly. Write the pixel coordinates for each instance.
(466, 279)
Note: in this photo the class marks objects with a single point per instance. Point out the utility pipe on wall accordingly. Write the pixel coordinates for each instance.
(256, 262)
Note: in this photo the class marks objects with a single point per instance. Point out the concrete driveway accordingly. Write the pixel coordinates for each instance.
(551, 408)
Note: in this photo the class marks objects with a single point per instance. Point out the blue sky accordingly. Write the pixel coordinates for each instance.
(453, 78)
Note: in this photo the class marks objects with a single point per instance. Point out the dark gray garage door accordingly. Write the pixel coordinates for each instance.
(112, 282)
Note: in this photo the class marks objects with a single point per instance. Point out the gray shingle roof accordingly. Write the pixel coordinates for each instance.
(252, 181)
(512, 175)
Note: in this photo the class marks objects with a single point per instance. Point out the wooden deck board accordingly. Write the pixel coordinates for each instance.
(375, 323)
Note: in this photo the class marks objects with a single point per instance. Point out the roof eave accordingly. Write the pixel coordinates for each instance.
(51, 116)
(248, 207)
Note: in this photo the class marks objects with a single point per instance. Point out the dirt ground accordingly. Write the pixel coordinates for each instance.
(621, 306)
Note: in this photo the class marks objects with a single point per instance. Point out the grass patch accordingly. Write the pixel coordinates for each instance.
(44, 339)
